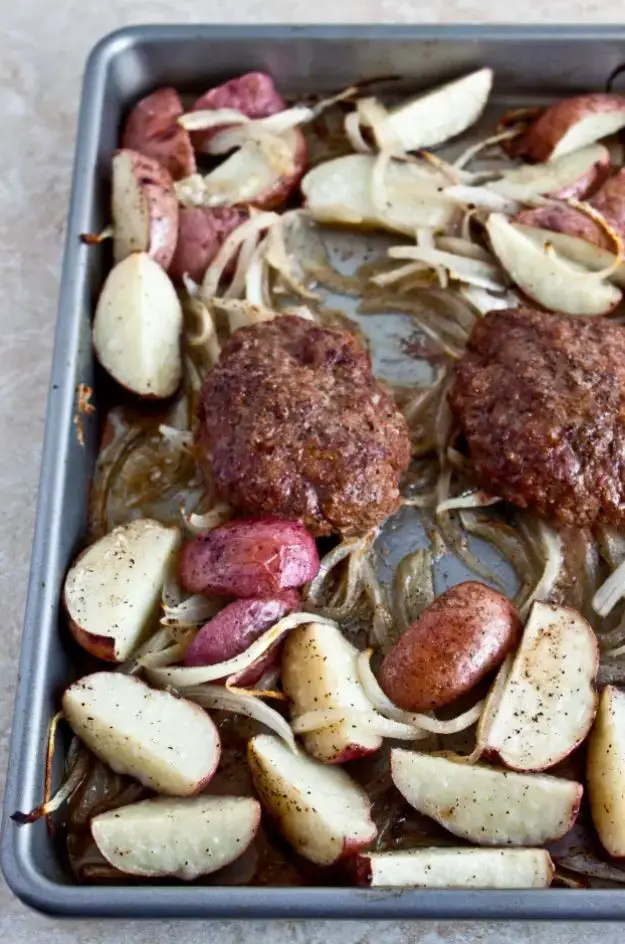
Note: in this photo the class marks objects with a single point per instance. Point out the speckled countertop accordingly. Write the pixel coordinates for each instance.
(43, 46)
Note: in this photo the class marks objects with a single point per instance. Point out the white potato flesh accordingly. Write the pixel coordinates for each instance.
(319, 671)
(443, 113)
(558, 286)
(137, 327)
(591, 127)
(486, 805)
(186, 838)
(605, 771)
(457, 868)
(552, 177)
(320, 810)
(144, 207)
(577, 250)
(167, 743)
(341, 191)
(113, 589)
(548, 702)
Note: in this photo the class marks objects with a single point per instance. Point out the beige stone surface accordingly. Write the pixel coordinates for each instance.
(43, 46)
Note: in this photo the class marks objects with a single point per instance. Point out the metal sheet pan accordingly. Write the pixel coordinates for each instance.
(531, 64)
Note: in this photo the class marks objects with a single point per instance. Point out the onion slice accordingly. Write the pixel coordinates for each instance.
(231, 245)
(476, 499)
(473, 271)
(552, 547)
(77, 774)
(372, 722)
(223, 699)
(610, 592)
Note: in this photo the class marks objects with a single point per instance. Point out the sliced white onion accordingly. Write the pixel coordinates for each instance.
(610, 592)
(182, 438)
(222, 699)
(278, 258)
(353, 133)
(472, 271)
(183, 677)
(230, 246)
(191, 191)
(372, 722)
(242, 312)
(396, 275)
(382, 627)
(256, 283)
(474, 149)
(554, 558)
(483, 198)
(198, 524)
(168, 656)
(375, 115)
(191, 612)
(464, 247)
(385, 706)
(205, 118)
(476, 499)
(246, 253)
(314, 593)
(485, 301)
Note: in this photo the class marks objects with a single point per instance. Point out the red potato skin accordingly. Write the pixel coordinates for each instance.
(235, 628)
(610, 202)
(461, 637)
(285, 185)
(588, 184)
(253, 94)
(567, 220)
(249, 558)
(152, 129)
(201, 234)
(102, 647)
(538, 142)
(158, 188)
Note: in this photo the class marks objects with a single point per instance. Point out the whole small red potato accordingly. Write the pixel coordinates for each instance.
(201, 234)
(461, 637)
(253, 94)
(152, 129)
(249, 557)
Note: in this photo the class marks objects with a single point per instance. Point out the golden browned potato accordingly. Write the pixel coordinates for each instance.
(457, 640)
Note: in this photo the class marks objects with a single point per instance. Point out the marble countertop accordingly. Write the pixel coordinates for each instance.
(43, 47)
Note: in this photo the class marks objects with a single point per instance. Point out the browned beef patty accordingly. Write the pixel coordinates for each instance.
(293, 423)
(540, 399)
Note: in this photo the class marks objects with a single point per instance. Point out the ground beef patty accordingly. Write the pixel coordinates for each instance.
(540, 399)
(293, 423)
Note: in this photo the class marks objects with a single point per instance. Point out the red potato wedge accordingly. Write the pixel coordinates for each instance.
(570, 125)
(547, 705)
(185, 838)
(605, 771)
(201, 234)
(573, 175)
(170, 745)
(341, 191)
(137, 327)
(461, 637)
(319, 671)
(610, 201)
(249, 557)
(321, 812)
(253, 94)
(578, 250)
(235, 628)
(544, 279)
(144, 208)
(152, 129)
(113, 589)
(560, 218)
(455, 868)
(441, 114)
(486, 805)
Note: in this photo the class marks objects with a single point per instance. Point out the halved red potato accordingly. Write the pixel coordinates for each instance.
(253, 94)
(571, 124)
(576, 174)
(341, 191)
(605, 771)
(186, 838)
(576, 249)
(236, 627)
(152, 129)
(113, 589)
(321, 812)
(546, 706)
(169, 744)
(137, 327)
(319, 671)
(249, 557)
(557, 286)
(458, 639)
(560, 218)
(455, 868)
(201, 234)
(487, 805)
(144, 208)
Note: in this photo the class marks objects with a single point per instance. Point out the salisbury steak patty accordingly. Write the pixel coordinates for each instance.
(540, 399)
(293, 423)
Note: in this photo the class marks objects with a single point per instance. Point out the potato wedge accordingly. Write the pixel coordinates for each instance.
(576, 174)
(185, 838)
(560, 218)
(341, 191)
(144, 208)
(571, 124)
(253, 94)
(605, 771)
(320, 810)
(487, 805)
(113, 589)
(137, 326)
(201, 234)
(152, 129)
(610, 201)
(577, 249)
(319, 671)
(547, 704)
(455, 868)
(543, 279)
(170, 745)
